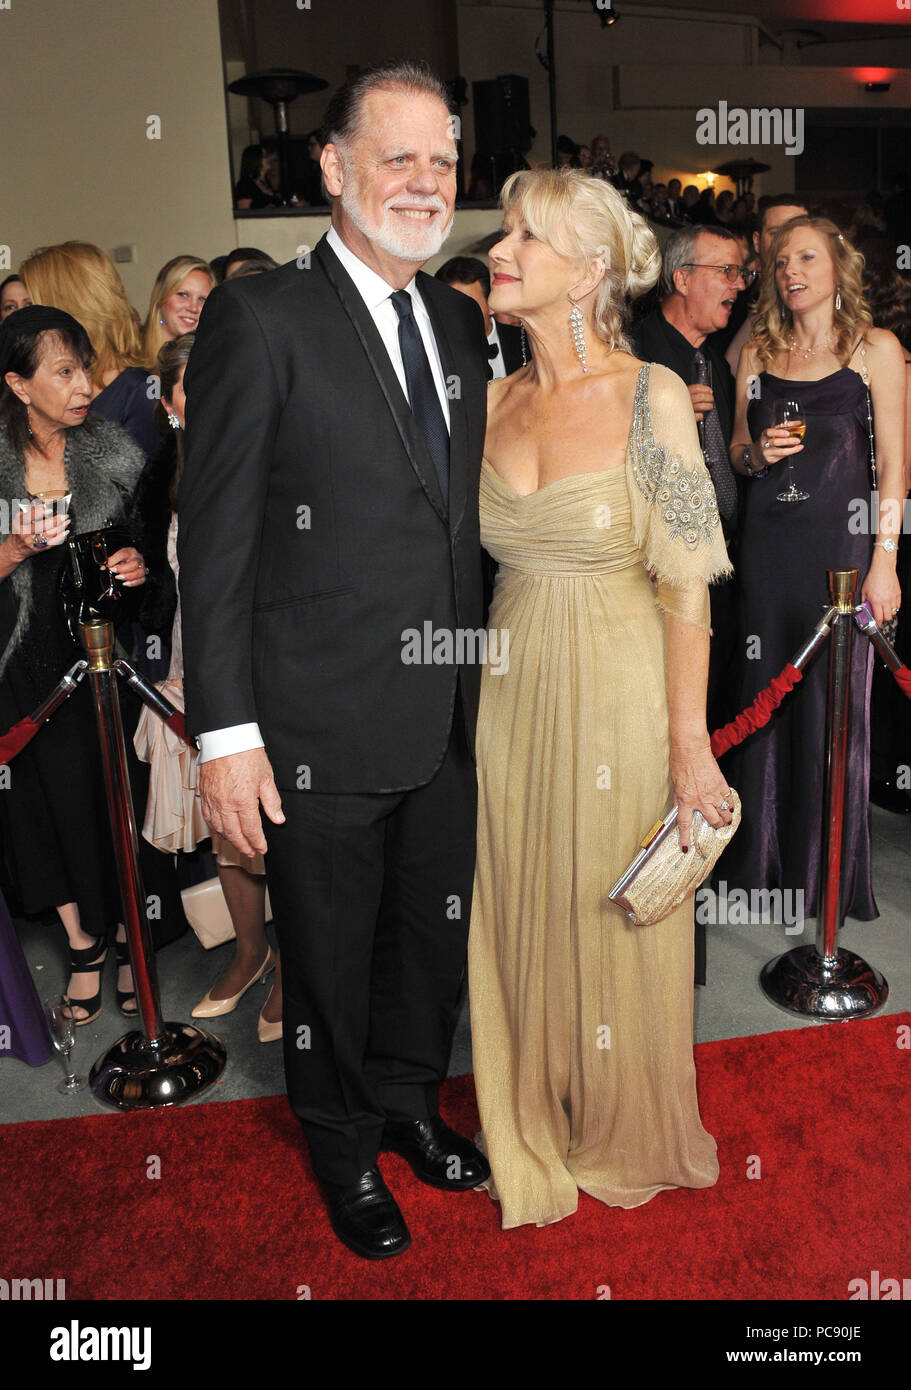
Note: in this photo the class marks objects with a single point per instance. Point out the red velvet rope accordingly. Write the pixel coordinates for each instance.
(758, 713)
(903, 676)
(15, 739)
(177, 722)
(754, 717)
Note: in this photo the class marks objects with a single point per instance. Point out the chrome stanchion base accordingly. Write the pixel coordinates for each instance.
(139, 1074)
(801, 982)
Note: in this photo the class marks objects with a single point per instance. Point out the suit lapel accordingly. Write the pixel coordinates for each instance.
(458, 424)
(378, 357)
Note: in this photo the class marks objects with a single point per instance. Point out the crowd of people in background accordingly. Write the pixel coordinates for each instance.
(719, 280)
(655, 454)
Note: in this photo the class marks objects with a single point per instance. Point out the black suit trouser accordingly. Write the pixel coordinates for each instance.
(371, 898)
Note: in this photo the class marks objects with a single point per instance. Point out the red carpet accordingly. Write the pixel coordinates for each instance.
(235, 1214)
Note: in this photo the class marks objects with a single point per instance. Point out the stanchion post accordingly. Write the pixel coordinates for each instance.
(169, 1062)
(825, 981)
(842, 584)
(98, 641)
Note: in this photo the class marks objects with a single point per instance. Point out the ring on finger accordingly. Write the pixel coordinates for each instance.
(40, 542)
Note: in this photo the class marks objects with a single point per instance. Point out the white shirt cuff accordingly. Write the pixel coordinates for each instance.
(218, 743)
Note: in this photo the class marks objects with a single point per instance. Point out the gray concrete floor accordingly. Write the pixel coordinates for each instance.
(731, 1003)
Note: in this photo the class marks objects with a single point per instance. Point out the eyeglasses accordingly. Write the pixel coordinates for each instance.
(731, 273)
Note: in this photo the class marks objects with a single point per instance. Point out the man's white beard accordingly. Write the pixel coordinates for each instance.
(400, 241)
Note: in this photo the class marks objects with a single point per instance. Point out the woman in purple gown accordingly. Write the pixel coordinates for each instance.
(813, 343)
(23, 1027)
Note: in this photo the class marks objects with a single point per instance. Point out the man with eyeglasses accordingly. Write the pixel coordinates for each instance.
(701, 276)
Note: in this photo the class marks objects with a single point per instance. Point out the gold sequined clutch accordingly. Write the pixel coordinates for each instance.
(661, 876)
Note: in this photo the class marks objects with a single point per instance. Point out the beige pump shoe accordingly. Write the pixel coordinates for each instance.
(214, 1008)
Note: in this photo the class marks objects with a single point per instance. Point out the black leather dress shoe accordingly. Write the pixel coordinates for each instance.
(436, 1153)
(889, 797)
(365, 1216)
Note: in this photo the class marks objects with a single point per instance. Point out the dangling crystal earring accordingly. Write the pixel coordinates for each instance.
(28, 423)
(173, 420)
(576, 321)
(837, 300)
(524, 341)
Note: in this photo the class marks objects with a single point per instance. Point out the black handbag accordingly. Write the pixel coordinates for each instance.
(87, 589)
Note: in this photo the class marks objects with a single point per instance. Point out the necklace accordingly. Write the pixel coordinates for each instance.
(811, 351)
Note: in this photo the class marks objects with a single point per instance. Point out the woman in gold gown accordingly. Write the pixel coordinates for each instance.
(596, 502)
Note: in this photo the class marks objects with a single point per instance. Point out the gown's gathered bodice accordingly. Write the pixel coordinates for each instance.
(657, 511)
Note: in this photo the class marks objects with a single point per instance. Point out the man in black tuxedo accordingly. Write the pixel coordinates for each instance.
(470, 276)
(674, 200)
(330, 575)
(701, 276)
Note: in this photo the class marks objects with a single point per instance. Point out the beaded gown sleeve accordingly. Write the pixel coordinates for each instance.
(674, 511)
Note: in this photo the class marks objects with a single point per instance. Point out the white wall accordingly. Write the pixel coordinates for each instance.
(79, 79)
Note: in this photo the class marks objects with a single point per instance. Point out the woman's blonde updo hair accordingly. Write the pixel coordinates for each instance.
(586, 219)
(773, 325)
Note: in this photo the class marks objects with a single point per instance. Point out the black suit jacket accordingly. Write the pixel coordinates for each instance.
(510, 346)
(313, 534)
(656, 340)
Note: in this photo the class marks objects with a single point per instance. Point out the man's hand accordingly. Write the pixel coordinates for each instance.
(703, 400)
(232, 789)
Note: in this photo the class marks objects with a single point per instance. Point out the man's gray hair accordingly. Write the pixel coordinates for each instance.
(342, 121)
(680, 250)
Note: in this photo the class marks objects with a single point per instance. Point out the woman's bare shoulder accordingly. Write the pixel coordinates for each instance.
(883, 346)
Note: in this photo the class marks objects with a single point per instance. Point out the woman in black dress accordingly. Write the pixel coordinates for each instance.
(813, 343)
(56, 843)
(253, 189)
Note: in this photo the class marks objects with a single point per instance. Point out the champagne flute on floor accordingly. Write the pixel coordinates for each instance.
(59, 1014)
(789, 415)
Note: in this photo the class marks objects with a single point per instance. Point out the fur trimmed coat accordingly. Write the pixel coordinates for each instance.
(103, 465)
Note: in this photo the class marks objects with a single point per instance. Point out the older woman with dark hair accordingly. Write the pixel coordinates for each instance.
(61, 468)
(82, 280)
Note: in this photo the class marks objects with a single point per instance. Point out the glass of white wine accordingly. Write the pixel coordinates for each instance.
(59, 1013)
(789, 415)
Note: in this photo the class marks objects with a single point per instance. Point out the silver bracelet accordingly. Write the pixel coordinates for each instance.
(746, 459)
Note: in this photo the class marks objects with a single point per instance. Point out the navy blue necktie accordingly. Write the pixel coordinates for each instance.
(422, 393)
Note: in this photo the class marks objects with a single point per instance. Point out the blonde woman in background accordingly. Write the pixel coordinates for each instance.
(81, 279)
(181, 288)
(592, 476)
(813, 344)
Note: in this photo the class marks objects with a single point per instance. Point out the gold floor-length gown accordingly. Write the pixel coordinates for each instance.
(581, 1022)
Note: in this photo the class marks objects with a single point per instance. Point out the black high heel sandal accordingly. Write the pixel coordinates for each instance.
(125, 995)
(82, 963)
